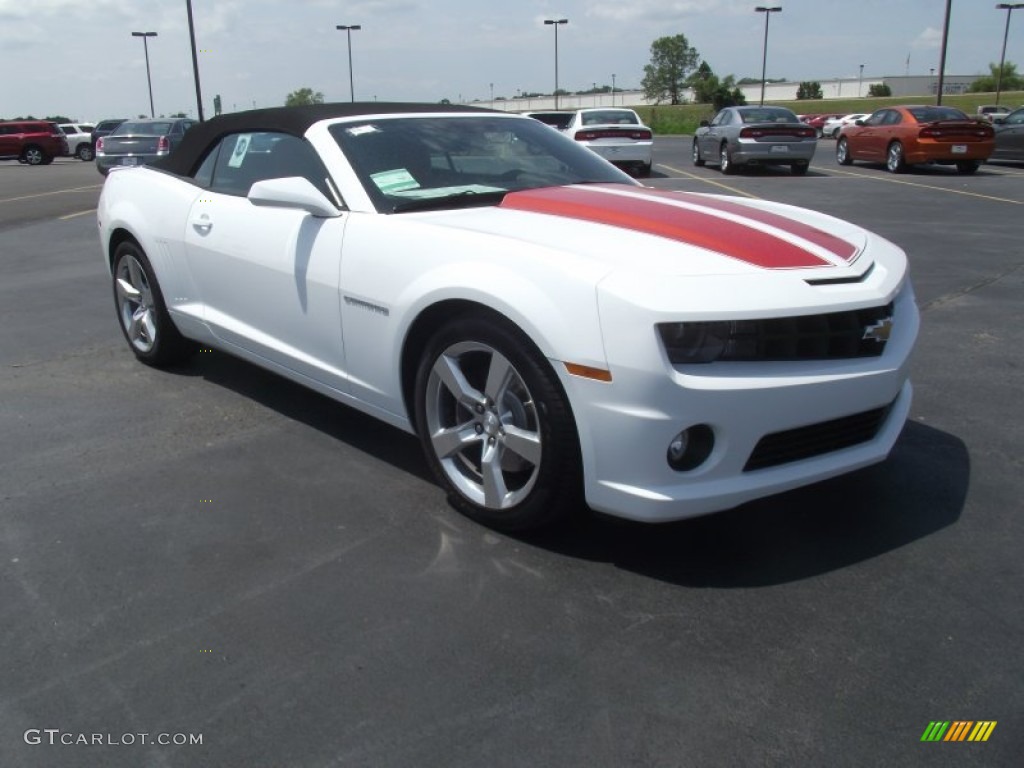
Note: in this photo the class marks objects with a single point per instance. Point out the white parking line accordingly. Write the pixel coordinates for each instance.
(963, 192)
(46, 194)
(695, 177)
(74, 215)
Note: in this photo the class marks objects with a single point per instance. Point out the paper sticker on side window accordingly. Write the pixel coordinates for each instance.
(241, 147)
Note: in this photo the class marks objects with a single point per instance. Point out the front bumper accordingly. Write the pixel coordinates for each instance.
(626, 426)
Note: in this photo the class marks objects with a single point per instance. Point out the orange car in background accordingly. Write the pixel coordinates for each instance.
(911, 135)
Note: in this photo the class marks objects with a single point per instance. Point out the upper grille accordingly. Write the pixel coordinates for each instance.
(836, 335)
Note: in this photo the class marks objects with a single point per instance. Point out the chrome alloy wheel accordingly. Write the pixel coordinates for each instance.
(483, 425)
(135, 304)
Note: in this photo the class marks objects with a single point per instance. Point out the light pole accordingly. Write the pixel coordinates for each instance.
(1009, 8)
(942, 54)
(492, 95)
(348, 34)
(613, 89)
(555, 23)
(149, 80)
(860, 82)
(767, 11)
(195, 59)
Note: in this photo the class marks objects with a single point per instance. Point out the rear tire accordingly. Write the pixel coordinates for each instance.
(32, 156)
(894, 159)
(84, 152)
(967, 166)
(496, 427)
(643, 170)
(145, 323)
(799, 169)
(725, 163)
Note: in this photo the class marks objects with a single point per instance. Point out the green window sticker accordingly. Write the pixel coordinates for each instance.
(397, 180)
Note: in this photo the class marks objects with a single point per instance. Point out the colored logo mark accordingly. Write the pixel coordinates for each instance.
(958, 730)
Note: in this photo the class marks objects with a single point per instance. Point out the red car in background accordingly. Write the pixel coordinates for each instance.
(817, 122)
(910, 135)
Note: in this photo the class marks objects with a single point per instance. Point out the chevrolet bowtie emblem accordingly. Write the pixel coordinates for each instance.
(878, 331)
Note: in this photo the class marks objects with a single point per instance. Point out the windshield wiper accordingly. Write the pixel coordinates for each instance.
(457, 200)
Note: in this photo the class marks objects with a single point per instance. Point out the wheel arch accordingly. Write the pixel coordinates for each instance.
(433, 317)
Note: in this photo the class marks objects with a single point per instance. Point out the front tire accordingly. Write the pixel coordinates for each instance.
(843, 152)
(496, 426)
(698, 160)
(145, 323)
(894, 159)
(85, 152)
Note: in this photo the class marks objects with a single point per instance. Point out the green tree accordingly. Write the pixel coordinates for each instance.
(810, 89)
(1011, 80)
(708, 88)
(673, 59)
(879, 89)
(302, 97)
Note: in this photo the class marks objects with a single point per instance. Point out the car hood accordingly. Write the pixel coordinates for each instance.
(666, 232)
(653, 242)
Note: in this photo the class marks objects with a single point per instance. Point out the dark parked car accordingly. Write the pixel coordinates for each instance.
(755, 136)
(104, 128)
(559, 120)
(137, 142)
(35, 142)
(1009, 136)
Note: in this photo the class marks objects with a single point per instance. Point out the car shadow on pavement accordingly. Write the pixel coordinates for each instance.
(919, 490)
(363, 432)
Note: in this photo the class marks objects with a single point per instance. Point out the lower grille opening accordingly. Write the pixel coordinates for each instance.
(816, 439)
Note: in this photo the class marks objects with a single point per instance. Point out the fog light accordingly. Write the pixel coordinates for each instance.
(690, 448)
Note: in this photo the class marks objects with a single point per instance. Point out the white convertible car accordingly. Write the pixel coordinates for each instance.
(552, 331)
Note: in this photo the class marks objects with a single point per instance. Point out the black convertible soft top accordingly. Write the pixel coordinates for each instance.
(291, 120)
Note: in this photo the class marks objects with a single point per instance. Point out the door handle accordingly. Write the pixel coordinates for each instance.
(202, 224)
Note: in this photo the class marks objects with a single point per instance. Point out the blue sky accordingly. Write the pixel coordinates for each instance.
(77, 57)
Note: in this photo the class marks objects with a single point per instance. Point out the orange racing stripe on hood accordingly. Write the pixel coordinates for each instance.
(648, 214)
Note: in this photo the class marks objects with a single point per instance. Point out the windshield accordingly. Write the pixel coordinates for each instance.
(409, 163)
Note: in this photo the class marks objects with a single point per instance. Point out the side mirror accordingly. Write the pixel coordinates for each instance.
(859, 122)
(704, 124)
(292, 192)
(999, 121)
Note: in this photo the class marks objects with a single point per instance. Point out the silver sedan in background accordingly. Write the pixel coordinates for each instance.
(755, 136)
(139, 142)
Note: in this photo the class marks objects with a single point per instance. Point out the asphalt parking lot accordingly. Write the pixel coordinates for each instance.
(213, 551)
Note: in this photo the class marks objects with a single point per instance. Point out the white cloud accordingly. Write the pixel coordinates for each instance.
(930, 38)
